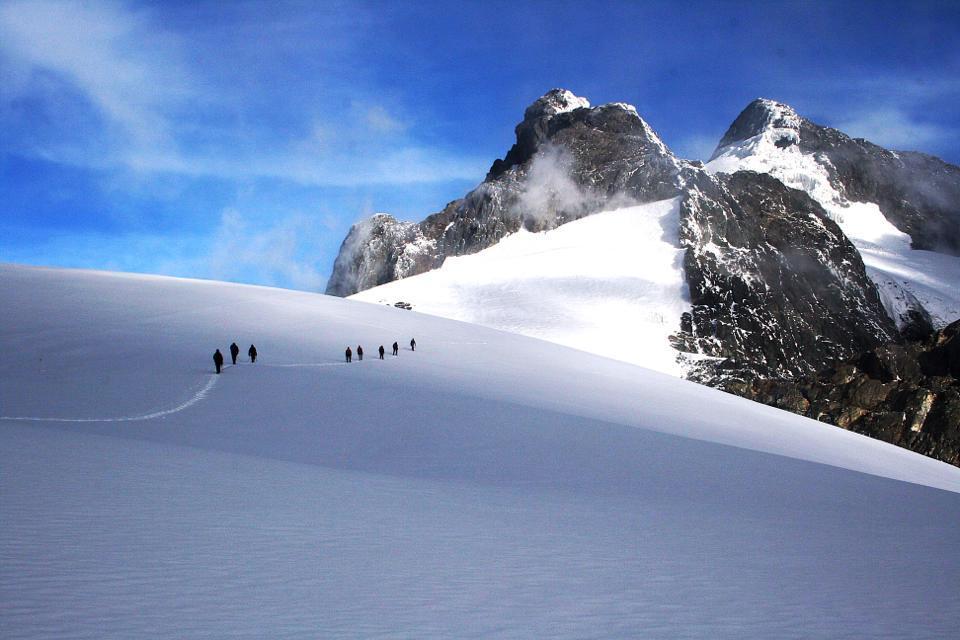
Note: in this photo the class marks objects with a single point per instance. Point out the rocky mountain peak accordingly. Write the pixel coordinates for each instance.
(774, 232)
(569, 160)
(553, 102)
(916, 193)
(760, 116)
(561, 118)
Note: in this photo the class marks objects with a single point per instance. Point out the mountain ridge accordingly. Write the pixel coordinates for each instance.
(790, 266)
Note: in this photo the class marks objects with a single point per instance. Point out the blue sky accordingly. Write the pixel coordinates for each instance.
(240, 140)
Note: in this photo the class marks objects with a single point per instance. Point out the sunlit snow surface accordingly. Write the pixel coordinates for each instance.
(611, 284)
(900, 273)
(486, 485)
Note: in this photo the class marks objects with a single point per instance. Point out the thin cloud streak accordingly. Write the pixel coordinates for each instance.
(130, 72)
(152, 106)
(895, 129)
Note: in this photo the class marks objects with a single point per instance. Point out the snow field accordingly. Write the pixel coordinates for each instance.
(487, 485)
(611, 284)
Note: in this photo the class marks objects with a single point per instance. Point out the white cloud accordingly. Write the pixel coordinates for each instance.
(379, 120)
(124, 67)
(549, 187)
(549, 190)
(894, 128)
(696, 146)
(156, 106)
(279, 254)
(896, 111)
(242, 248)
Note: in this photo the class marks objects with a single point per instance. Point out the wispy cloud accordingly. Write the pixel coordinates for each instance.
(696, 146)
(379, 120)
(891, 110)
(241, 248)
(896, 128)
(154, 112)
(283, 253)
(126, 69)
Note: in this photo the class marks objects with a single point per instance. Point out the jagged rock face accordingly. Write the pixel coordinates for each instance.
(907, 394)
(379, 250)
(569, 160)
(776, 288)
(919, 194)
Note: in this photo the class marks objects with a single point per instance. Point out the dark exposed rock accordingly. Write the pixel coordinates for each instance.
(907, 394)
(776, 287)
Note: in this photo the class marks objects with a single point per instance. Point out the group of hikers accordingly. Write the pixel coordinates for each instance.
(252, 352)
(234, 352)
(396, 350)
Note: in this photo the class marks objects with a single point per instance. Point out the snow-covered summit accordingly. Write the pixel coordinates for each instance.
(777, 120)
(623, 105)
(894, 207)
(555, 101)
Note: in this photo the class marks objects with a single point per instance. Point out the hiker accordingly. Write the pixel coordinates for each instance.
(218, 359)
(413, 344)
(381, 352)
(349, 355)
(396, 348)
(234, 352)
(359, 352)
(252, 352)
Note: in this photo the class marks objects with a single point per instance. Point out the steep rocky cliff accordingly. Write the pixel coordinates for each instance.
(775, 286)
(907, 394)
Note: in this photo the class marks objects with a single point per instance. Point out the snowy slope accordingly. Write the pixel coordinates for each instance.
(900, 273)
(486, 485)
(611, 284)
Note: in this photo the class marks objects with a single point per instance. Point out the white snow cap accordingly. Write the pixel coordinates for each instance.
(781, 116)
(623, 105)
(561, 101)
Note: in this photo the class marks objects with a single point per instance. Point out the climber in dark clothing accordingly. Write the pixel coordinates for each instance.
(381, 352)
(218, 359)
(413, 344)
(359, 352)
(396, 348)
(234, 352)
(252, 352)
(349, 355)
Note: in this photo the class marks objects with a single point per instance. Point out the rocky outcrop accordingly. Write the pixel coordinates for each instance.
(906, 394)
(379, 250)
(569, 160)
(776, 288)
(918, 193)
